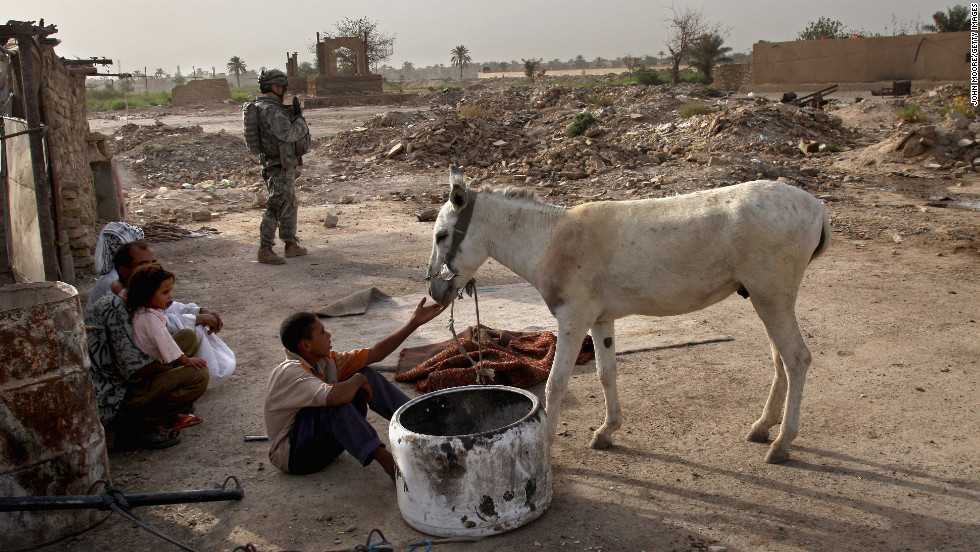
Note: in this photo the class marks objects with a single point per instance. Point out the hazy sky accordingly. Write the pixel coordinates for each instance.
(206, 33)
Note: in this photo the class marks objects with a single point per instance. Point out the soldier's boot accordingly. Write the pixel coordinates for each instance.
(268, 256)
(294, 249)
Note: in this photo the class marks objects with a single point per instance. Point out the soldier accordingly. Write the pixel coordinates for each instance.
(284, 138)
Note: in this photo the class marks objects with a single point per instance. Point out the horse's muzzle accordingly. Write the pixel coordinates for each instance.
(442, 291)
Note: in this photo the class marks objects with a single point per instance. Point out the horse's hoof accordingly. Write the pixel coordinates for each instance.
(600, 442)
(777, 456)
(757, 436)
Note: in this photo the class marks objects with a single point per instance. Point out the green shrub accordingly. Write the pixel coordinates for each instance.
(601, 101)
(908, 113)
(645, 75)
(245, 93)
(688, 76)
(115, 100)
(959, 105)
(581, 122)
(476, 111)
(694, 108)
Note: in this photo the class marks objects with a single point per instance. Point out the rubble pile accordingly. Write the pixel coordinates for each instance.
(638, 144)
(520, 132)
(168, 156)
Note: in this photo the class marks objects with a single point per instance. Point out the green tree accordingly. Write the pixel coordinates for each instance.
(179, 78)
(379, 46)
(530, 66)
(306, 69)
(237, 66)
(955, 19)
(684, 29)
(823, 28)
(159, 73)
(631, 62)
(461, 58)
(707, 52)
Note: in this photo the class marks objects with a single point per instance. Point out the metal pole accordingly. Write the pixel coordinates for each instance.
(105, 500)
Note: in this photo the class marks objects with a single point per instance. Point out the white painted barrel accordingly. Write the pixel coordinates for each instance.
(471, 461)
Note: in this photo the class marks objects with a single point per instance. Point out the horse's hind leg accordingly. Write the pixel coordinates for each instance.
(789, 350)
(773, 411)
(605, 353)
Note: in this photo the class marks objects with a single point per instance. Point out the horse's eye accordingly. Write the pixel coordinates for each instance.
(441, 236)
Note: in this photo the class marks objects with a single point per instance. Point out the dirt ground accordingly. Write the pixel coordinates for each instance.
(887, 456)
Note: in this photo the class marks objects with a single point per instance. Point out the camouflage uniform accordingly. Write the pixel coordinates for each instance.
(284, 139)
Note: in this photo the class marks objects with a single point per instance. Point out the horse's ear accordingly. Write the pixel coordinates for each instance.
(457, 188)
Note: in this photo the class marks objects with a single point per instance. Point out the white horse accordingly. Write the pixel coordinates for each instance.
(598, 262)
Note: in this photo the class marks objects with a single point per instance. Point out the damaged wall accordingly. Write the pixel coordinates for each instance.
(63, 110)
(928, 58)
(46, 95)
(201, 91)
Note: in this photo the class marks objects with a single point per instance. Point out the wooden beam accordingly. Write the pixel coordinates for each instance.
(42, 185)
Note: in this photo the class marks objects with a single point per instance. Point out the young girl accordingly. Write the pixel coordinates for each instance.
(149, 294)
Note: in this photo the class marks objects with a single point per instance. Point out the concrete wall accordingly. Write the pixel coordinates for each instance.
(934, 57)
(201, 91)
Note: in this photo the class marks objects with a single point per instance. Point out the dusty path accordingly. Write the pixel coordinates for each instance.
(886, 459)
(228, 118)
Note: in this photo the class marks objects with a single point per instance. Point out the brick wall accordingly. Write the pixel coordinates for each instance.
(354, 84)
(63, 111)
(201, 91)
(731, 76)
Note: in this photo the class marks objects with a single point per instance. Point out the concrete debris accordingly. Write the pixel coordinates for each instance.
(518, 134)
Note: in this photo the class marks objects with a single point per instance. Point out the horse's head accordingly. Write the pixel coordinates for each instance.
(455, 257)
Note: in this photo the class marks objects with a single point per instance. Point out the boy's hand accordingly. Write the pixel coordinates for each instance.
(425, 313)
(365, 389)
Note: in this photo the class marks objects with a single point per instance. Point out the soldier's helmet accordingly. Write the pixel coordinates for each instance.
(272, 77)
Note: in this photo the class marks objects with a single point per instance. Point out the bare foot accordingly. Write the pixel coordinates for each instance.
(386, 460)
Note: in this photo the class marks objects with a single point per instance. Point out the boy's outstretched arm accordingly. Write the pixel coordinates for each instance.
(423, 313)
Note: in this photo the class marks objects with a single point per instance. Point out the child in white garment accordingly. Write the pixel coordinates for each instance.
(149, 294)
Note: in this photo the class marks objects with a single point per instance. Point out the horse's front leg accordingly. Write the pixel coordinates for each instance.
(570, 336)
(605, 356)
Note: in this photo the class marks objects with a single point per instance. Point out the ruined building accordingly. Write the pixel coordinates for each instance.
(55, 180)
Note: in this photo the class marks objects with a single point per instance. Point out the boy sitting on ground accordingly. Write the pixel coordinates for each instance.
(317, 399)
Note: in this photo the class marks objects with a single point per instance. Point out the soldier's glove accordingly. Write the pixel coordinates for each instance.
(297, 109)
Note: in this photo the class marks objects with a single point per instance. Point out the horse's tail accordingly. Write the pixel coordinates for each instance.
(824, 242)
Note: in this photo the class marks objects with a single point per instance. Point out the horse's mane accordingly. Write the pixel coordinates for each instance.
(522, 194)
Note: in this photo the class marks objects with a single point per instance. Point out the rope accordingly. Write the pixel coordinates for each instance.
(481, 370)
(421, 542)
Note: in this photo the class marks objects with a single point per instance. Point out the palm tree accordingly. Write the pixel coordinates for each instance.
(707, 52)
(461, 57)
(955, 19)
(237, 66)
